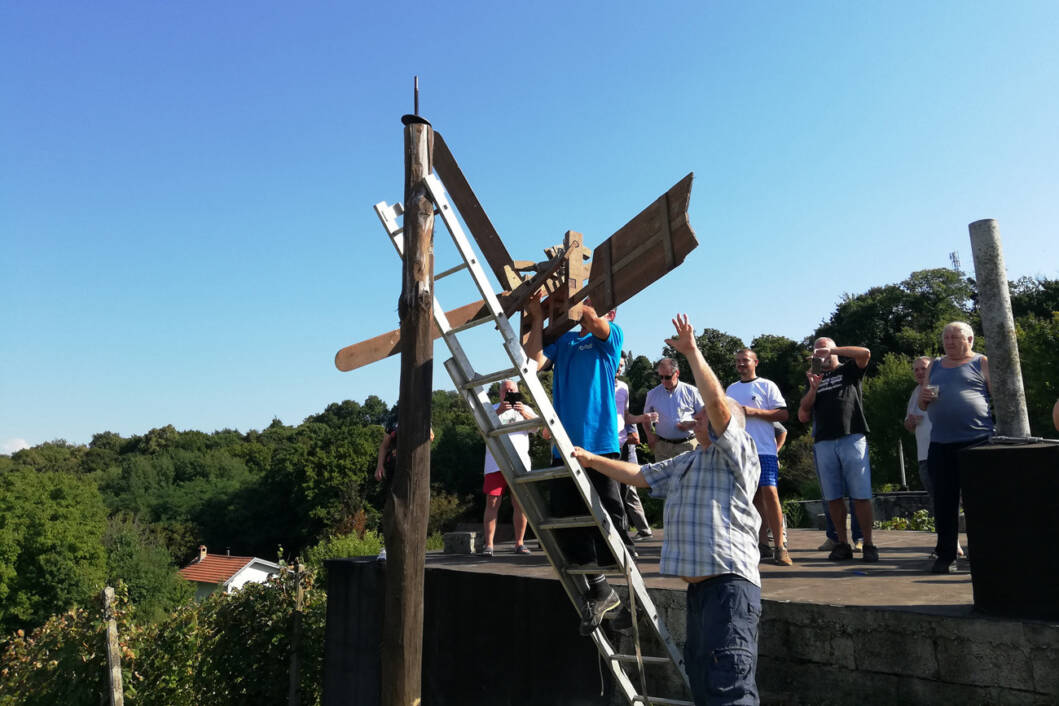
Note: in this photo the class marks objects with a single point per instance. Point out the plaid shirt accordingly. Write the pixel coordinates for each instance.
(711, 524)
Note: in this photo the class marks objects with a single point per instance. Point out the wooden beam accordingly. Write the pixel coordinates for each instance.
(408, 498)
(374, 349)
(478, 223)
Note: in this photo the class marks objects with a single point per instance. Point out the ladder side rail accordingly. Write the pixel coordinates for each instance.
(527, 371)
(534, 504)
(459, 238)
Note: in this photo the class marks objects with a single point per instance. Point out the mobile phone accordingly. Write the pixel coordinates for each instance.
(817, 366)
(513, 397)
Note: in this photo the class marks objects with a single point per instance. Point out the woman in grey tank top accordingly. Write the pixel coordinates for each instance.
(956, 397)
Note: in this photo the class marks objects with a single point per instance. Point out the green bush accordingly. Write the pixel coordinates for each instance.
(230, 649)
(921, 521)
(795, 513)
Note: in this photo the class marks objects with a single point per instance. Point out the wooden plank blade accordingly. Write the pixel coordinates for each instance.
(478, 223)
(642, 251)
(360, 354)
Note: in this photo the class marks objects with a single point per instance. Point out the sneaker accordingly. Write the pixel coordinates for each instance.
(871, 553)
(766, 551)
(487, 552)
(522, 549)
(593, 610)
(858, 545)
(632, 551)
(643, 534)
(841, 552)
(941, 566)
(828, 545)
(782, 558)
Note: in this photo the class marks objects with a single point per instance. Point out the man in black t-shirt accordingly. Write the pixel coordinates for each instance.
(835, 404)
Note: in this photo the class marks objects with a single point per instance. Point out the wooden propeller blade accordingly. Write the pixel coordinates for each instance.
(481, 228)
(642, 251)
(373, 349)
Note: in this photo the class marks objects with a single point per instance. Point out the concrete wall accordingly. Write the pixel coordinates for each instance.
(843, 654)
(494, 639)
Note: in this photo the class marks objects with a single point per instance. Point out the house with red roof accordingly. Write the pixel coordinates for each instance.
(223, 572)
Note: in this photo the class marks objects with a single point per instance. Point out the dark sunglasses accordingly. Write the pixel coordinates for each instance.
(670, 376)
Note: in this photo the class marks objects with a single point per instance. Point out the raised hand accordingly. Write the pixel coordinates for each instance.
(684, 341)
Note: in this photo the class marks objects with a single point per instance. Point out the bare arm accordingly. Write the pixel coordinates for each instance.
(533, 342)
(781, 439)
(779, 414)
(598, 326)
(627, 473)
(925, 397)
(384, 448)
(985, 374)
(705, 380)
(860, 356)
(805, 407)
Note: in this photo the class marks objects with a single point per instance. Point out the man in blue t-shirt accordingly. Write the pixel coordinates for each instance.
(585, 364)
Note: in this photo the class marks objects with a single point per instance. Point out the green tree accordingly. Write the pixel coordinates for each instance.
(718, 348)
(138, 558)
(885, 403)
(902, 318)
(51, 548)
(1039, 353)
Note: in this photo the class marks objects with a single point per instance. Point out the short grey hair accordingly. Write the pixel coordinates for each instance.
(963, 326)
(669, 363)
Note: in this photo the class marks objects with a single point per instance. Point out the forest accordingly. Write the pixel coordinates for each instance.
(129, 511)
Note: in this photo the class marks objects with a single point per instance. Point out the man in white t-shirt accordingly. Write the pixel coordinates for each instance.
(763, 404)
(510, 409)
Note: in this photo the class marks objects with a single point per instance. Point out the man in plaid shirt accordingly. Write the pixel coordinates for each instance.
(711, 530)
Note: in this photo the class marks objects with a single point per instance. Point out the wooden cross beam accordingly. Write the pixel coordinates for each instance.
(642, 251)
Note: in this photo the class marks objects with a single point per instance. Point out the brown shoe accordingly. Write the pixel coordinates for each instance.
(782, 557)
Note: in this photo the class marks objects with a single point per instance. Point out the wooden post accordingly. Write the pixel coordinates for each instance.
(117, 695)
(408, 501)
(294, 692)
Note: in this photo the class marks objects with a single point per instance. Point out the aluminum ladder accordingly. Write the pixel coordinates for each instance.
(524, 483)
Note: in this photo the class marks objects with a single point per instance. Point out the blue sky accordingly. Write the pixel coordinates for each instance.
(186, 188)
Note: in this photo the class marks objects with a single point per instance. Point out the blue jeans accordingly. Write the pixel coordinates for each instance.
(720, 655)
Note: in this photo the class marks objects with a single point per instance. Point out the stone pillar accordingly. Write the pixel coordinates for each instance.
(994, 301)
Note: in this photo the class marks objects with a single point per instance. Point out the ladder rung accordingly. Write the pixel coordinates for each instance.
(450, 271)
(471, 324)
(543, 474)
(524, 425)
(640, 698)
(483, 380)
(592, 569)
(567, 522)
(644, 659)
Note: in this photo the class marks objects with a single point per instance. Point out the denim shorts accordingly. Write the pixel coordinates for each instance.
(843, 468)
(720, 654)
(770, 471)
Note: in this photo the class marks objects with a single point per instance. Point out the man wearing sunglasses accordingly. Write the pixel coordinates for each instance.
(671, 407)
